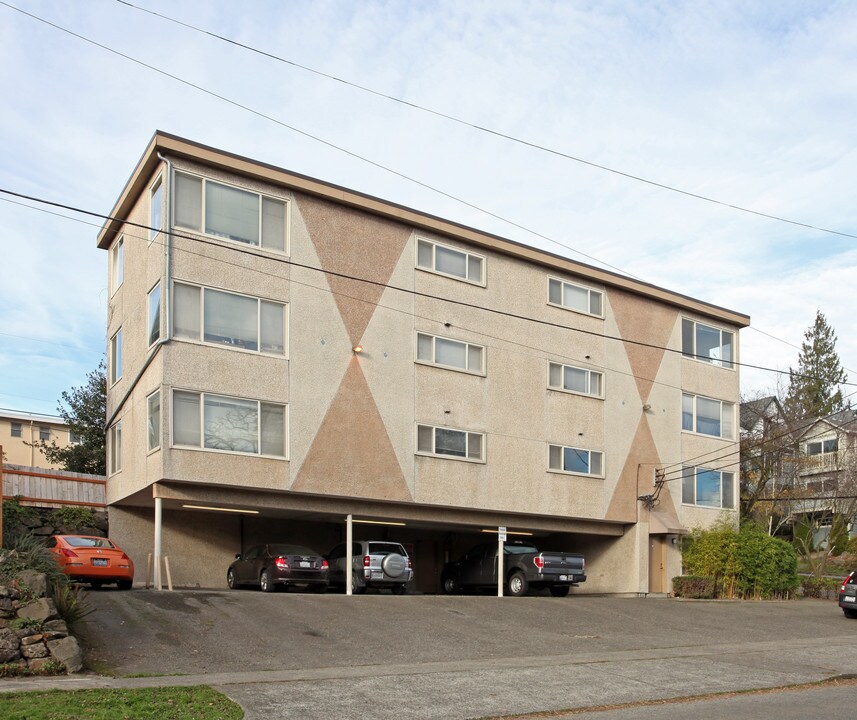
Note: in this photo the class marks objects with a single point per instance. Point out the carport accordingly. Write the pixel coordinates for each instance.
(200, 527)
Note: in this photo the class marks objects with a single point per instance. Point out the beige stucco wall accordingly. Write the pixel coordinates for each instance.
(15, 449)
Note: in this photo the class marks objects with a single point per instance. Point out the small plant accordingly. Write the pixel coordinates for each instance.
(13, 670)
(28, 552)
(73, 518)
(71, 603)
(51, 667)
(27, 624)
(15, 519)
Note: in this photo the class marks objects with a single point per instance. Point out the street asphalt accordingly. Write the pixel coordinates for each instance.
(291, 655)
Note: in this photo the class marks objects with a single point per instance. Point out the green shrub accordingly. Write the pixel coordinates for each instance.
(815, 587)
(71, 603)
(29, 552)
(73, 517)
(15, 519)
(838, 538)
(693, 586)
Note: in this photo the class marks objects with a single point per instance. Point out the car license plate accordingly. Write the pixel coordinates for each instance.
(377, 575)
(849, 598)
(99, 562)
(305, 564)
(563, 577)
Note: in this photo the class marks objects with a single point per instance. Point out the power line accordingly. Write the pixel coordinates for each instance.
(316, 138)
(489, 131)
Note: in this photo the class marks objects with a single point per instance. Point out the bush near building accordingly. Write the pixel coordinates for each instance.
(747, 563)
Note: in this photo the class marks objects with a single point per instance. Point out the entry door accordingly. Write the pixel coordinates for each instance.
(657, 563)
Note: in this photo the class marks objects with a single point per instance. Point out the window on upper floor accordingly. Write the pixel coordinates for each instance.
(708, 488)
(576, 461)
(822, 447)
(230, 319)
(156, 209)
(575, 297)
(230, 424)
(117, 264)
(74, 438)
(114, 440)
(450, 443)
(575, 380)
(448, 353)
(116, 357)
(230, 212)
(707, 417)
(44, 432)
(450, 261)
(706, 343)
(154, 314)
(153, 421)
(17, 429)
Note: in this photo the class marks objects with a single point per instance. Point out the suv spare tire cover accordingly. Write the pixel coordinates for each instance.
(394, 565)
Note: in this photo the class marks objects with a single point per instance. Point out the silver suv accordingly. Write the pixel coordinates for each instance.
(374, 563)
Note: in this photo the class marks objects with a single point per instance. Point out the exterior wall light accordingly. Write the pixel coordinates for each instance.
(378, 522)
(221, 509)
(508, 532)
(357, 349)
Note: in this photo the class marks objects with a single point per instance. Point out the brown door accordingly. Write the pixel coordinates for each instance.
(657, 563)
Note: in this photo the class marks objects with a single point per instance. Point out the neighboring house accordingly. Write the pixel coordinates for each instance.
(20, 431)
(285, 354)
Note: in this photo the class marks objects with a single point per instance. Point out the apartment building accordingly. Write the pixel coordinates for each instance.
(20, 432)
(288, 358)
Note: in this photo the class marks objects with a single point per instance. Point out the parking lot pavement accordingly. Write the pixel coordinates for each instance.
(379, 656)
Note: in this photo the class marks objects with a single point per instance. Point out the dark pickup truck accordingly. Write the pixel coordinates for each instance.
(524, 566)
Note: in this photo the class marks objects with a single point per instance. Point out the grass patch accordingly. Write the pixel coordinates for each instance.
(170, 703)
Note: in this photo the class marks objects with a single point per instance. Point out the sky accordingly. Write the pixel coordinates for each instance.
(751, 104)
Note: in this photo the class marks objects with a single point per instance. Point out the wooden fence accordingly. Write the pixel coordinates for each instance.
(53, 488)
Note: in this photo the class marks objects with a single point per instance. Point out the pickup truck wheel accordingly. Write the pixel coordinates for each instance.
(450, 587)
(559, 590)
(517, 585)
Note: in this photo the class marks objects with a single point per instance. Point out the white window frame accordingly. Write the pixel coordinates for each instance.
(74, 438)
(694, 471)
(468, 435)
(589, 290)
(201, 321)
(157, 185)
(44, 433)
(115, 454)
(434, 363)
(116, 357)
(821, 442)
(589, 377)
(149, 341)
(202, 448)
(149, 427)
(562, 471)
(690, 353)
(481, 282)
(117, 264)
(262, 196)
(695, 417)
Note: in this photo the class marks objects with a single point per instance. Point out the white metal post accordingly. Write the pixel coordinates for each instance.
(349, 561)
(501, 536)
(158, 512)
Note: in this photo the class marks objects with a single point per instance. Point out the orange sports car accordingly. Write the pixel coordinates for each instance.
(95, 560)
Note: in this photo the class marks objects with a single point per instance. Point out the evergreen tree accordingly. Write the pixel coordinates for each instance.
(814, 387)
(85, 410)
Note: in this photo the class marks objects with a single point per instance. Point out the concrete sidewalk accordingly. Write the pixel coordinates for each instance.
(733, 651)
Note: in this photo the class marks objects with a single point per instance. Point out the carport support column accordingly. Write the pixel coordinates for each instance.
(158, 514)
(349, 570)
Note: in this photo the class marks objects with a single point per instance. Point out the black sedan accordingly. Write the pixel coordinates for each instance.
(848, 595)
(279, 565)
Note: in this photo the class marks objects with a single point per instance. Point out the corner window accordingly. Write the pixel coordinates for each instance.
(218, 422)
(231, 213)
(576, 461)
(17, 429)
(575, 380)
(578, 298)
(222, 318)
(450, 443)
(450, 261)
(114, 439)
(154, 313)
(116, 357)
(153, 420)
(117, 264)
(706, 343)
(44, 432)
(708, 488)
(449, 353)
(156, 210)
(707, 417)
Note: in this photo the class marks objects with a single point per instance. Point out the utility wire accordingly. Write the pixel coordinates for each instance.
(316, 138)
(485, 129)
